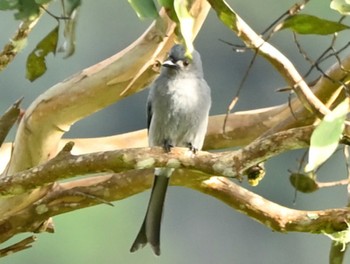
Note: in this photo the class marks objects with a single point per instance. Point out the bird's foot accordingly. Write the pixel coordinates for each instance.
(192, 148)
(167, 145)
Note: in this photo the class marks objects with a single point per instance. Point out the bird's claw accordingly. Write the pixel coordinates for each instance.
(167, 145)
(192, 148)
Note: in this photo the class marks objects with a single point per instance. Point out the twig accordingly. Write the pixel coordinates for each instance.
(17, 42)
(58, 18)
(296, 8)
(240, 87)
(23, 244)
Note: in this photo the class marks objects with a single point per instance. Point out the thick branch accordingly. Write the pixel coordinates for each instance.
(272, 215)
(229, 164)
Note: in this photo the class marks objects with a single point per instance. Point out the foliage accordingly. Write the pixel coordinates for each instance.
(325, 138)
(36, 65)
(26, 9)
(307, 24)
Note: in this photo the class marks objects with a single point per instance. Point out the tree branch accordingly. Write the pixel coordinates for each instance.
(21, 245)
(282, 64)
(229, 164)
(272, 215)
(18, 41)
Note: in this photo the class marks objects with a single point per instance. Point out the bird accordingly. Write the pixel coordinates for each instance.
(178, 107)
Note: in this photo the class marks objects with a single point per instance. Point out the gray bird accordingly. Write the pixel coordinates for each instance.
(177, 115)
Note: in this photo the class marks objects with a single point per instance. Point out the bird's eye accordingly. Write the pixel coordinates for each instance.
(186, 62)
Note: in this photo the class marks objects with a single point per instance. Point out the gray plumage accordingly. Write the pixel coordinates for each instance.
(177, 115)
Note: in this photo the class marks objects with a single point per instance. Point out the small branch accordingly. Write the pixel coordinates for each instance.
(17, 42)
(22, 245)
(332, 184)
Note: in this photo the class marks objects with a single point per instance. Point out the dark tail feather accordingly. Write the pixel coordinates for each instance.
(150, 229)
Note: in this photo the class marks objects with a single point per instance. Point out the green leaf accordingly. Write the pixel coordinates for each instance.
(169, 9)
(307, 24)
(8, 4)
(166, 3)
(186, 23)
(325, 138)
(27, 9)
(42, 2)
(225, 13)
(72, 5)
(144, 8)
(303, 182)
(342, 6)
(36, 65)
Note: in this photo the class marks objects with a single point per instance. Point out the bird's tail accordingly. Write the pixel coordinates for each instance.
(150, 229)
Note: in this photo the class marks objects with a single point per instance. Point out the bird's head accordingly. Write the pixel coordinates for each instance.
(178, 62)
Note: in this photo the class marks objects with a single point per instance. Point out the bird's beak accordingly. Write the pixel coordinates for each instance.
(169, 64)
